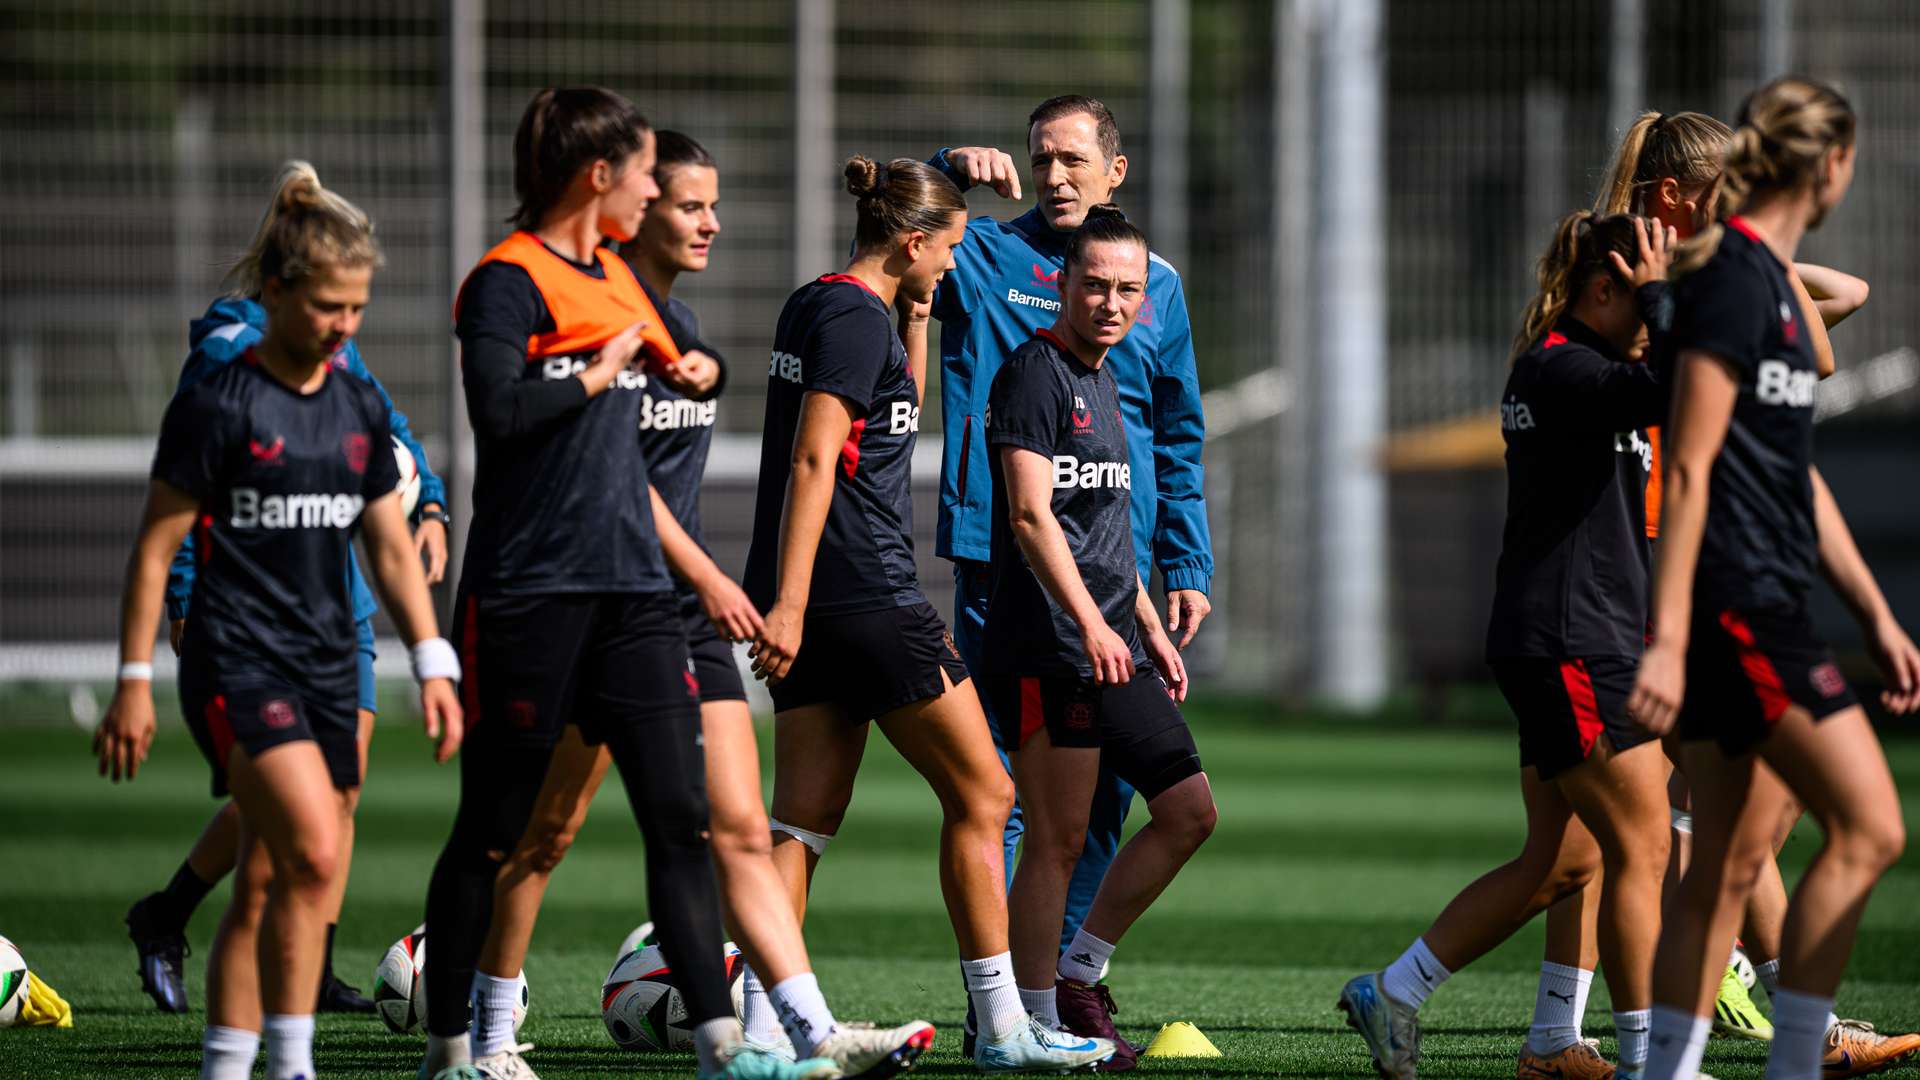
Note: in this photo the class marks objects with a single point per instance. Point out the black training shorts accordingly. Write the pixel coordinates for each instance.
(870, 663)
(1745, 669)
(1139, 731)
(711, 655)
(533, 664)
(259, 711)
(1563, 706)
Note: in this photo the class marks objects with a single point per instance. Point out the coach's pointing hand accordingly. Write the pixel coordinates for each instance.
(985, 165)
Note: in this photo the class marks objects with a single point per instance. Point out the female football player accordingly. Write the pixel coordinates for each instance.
(1746, 520)
(277, 459)
(849, 636)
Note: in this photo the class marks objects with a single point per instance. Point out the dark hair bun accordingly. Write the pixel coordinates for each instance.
(863, 177)
(1105, 212)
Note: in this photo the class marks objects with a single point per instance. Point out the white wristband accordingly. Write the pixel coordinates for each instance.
(434, 658)
(136, 669)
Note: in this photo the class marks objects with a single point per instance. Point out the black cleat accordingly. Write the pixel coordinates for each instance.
(163, 952)
(336, 996)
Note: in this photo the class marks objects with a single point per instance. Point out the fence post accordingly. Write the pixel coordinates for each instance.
(464, 110)
(813, 133)
(1169, 97)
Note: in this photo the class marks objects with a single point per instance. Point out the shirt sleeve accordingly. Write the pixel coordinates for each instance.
(1024, 405)
(1722, 309)
(959, 292)
(499, 310)
(847, 351)
(383, 472)
(1182, 541)
(432, 488)
(195, 436)
(1601, 394)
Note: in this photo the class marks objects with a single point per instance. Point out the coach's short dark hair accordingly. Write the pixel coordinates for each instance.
(1105, 129)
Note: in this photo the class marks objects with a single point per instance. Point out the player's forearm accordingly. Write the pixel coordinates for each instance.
(686, 558)
(1145, 614)
(1836, 294)
(146, 584)
(1038, 533)
(1823, 361)
(502, 403)
(809, 495)
(1840, 558)
(913, 334)
(403, 586)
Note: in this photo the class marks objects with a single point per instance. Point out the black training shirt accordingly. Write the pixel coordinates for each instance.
(281, 478)
(676, 432)
(1760, 549)
(1044, 399)
(560, 501)
(1572, 577)
(835, 336)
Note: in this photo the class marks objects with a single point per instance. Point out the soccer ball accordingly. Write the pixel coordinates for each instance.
(1743, 967)
(641, 1003)
(641, 935)
(409, 485)
(13, 983)
(400, 986)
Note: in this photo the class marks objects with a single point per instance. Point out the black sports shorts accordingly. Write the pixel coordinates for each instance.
(533, 664)
(258, 711)
(712, 658)
(1139, 731)
(1745, 669)
(1563, 706)
(870, 663)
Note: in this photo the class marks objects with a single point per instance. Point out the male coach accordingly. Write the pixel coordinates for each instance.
(1004, 286)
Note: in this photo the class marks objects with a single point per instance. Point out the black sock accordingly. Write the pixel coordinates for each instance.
(176, 903)
(326, 964)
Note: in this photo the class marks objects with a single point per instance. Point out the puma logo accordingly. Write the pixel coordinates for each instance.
(1568, 998)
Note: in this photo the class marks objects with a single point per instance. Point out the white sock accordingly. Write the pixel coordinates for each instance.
(1674, 1044)
(803, 1012)
(445, 1053)
(1580, 1002)
(493, 1000)
(1043, 1004)
(1085, 959)
(1799, 1035)
(1556, 1003)
(1416, 974)
(289, 1042)
(1631, 1028)
(1769, 976)
(762, 1021)
(227, 1053)
(995, 1000)
(713, 1044)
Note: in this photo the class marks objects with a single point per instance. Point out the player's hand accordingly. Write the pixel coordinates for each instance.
(1899, 663)
(695, 374)
(726, 604)
(123, 738)
(1658, 688)
(1186, 610)
(613, 358)
(986, 165)
(176, 632)
(776, 645)
(445, 721)
(1108, 653)
(1166, 657)
(1656, 243)
(430, 542)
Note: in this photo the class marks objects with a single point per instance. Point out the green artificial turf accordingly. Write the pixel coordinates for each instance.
(1335, 848)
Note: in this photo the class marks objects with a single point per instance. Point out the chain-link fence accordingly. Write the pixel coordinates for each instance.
(140, 136)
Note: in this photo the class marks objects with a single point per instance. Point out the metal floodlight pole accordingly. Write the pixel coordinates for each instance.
(1776, 38)
(813, 132)
(1350, 387)
(1289, 596)
(1626, 65)
(1168, 70)
(463, 107)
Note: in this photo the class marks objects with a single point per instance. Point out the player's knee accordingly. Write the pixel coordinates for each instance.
(311, 861)
(739, 836)
(1194, 828)
(988, 803)
(545, 851)
(1868, 846)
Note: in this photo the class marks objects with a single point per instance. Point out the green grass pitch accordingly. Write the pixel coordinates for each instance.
(1335, 848)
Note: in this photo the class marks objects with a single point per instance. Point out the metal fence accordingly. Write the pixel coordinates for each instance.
(139, 136)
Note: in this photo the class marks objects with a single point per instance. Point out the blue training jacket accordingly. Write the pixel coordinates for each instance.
(1004, 286)
(228, 329)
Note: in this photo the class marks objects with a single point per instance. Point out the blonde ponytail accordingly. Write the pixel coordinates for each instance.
(1786, 130)
(1688, 147)
(1579, 249)
(305, 227)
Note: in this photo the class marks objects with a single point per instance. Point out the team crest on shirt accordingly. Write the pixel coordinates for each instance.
(277, 714)
(357, 447)
(1788, 327)
(1082, 417)
(1044, 277)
